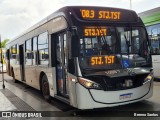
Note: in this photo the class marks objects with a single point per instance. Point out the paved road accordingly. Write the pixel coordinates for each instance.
(34, 99)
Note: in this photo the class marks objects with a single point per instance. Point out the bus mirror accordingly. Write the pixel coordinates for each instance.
(75, 46)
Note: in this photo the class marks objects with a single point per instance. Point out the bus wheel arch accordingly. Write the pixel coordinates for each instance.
(44, 86)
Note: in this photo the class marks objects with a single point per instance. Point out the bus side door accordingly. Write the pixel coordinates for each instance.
(21, 58)
(61, 67)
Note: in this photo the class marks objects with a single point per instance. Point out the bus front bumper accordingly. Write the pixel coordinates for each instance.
(92, 98)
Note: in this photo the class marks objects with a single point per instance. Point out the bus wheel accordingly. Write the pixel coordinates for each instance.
(45, 88)
(14, 79)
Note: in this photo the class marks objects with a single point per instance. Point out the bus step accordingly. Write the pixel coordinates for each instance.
(62, 99)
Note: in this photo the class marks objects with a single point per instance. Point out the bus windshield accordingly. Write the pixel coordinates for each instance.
(107, 47)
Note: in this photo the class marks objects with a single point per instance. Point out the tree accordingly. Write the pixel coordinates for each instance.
(4, 42)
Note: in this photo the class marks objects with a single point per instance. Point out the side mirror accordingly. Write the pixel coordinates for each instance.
(75, 46)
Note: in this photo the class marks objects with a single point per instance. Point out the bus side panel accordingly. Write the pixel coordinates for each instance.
(33, 74)
(29, 75)
(17, 73)
(50, 78)
(72, 90)
(84, 100)
(15, 66)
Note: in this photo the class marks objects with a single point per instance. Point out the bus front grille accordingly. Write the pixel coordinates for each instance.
(119, 83)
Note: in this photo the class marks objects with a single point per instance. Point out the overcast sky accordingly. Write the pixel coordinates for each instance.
(18, 15)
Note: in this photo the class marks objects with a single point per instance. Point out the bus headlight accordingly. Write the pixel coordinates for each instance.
(88, 83)
(148, 78)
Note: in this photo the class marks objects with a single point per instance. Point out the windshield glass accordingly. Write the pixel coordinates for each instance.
(105, 47)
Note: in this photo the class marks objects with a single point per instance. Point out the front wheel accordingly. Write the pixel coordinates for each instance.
(45, 88)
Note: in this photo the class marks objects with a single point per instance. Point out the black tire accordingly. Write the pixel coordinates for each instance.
(15, 81)
(45, 88)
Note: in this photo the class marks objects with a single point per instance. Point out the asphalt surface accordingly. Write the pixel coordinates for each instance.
(33, 98)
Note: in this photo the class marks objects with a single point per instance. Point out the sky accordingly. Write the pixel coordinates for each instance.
(18, 15)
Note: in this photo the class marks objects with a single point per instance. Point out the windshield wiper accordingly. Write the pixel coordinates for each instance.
(128, 45)
(105, 45)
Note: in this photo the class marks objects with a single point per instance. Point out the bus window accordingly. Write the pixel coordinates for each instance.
(28, 52)
(34, 52)
(154, 32)
(13, 51)
(65, 49)
(59, 47)
(132, 42)
(155, 43)
(43, 48)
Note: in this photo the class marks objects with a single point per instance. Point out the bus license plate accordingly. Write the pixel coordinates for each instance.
(125, 96)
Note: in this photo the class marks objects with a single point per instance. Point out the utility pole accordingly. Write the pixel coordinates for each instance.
(2, 63)
(131, 4)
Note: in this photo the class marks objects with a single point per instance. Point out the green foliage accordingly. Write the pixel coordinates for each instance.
(3, 43)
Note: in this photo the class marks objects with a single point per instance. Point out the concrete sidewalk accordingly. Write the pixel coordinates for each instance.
(10, 102)
(5, 104)
(17, 98)
(26, 94)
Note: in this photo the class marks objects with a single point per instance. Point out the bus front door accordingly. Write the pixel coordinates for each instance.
(61, 64)
(21, 55)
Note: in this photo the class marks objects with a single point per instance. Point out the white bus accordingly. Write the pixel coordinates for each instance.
(88, 57)
(154, 36)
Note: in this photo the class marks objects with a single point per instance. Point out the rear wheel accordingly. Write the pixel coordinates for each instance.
(45, 88)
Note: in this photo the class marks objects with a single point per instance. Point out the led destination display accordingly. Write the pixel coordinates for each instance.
(102, 60)
(95, 31)
(102, 14)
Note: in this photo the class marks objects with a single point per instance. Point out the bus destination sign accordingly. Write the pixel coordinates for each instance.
(102, 60)
(95, 31)
(100, 14)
